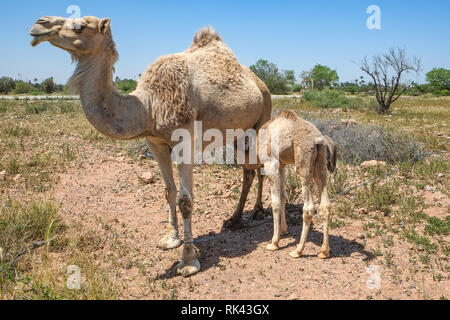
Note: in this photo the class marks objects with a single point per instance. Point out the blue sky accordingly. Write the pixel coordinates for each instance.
(293, 34)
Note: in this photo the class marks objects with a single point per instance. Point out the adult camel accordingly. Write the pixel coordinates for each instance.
(204, 83)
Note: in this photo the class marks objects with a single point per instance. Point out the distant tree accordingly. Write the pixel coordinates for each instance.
(320, 77)
(277, 82)
(48, 85)
(289, 75)
(439, 78)
(7, 84)
(296, 87)
(126, 85)
(386, 71)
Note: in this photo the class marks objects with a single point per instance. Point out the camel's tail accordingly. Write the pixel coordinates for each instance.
(327, 148)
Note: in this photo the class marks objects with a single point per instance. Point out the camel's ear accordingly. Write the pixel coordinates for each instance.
(104, 25)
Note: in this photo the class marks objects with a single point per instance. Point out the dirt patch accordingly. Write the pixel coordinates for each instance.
(106, 195)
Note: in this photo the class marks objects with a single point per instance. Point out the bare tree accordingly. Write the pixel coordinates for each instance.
(386, 71)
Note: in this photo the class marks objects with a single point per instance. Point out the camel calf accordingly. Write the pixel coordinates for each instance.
(300, 143)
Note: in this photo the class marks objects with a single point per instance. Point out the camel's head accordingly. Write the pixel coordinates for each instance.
(80, 37)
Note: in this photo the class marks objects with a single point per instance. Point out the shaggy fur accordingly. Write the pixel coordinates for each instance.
(204, 37)
(167, 79)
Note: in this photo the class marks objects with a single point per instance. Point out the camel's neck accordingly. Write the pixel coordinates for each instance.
(115, 115)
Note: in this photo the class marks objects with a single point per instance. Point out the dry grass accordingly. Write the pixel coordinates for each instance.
(40, 140)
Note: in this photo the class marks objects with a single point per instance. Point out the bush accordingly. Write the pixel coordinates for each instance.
(7, 85)
(296, 87)
(23, 87)
(443, 92)
(329, 98)
(359, 143)
(126, 85)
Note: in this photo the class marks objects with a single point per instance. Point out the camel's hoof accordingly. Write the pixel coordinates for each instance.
(188, 269)
(169, 242)
(294, 254)
(284, 233)
(272, 247)
(258, 213)
(232, 225)
(323, 255)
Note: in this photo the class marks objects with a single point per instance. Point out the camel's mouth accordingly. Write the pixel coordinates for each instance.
(38, 38)
(41, 33)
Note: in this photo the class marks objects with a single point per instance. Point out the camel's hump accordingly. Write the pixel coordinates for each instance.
(205, 36)
(288, 114)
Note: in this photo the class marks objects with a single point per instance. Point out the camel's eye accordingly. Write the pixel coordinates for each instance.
(79, 28)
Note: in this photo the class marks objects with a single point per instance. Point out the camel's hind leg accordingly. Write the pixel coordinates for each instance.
(235, 222)
(283, 198)
(320, 177)
(305, 161)
(162, 156)
(258, 211)
(308, 211)
(276, 194)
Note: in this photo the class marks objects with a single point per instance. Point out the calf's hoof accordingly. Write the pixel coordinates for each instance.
(169, 242)
(272, 247)
(295, 254)
(323, 254)
(187, 269)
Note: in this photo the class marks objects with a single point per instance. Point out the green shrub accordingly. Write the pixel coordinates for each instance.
(7, 84)
(126, 85)
(329, 98)
(23, 87)
(296, 87)
(443, 92)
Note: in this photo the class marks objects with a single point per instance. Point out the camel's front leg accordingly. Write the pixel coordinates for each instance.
(162, 156)
(320, 177)
(189, 264)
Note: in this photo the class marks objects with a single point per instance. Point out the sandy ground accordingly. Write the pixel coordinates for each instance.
(106, 196)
